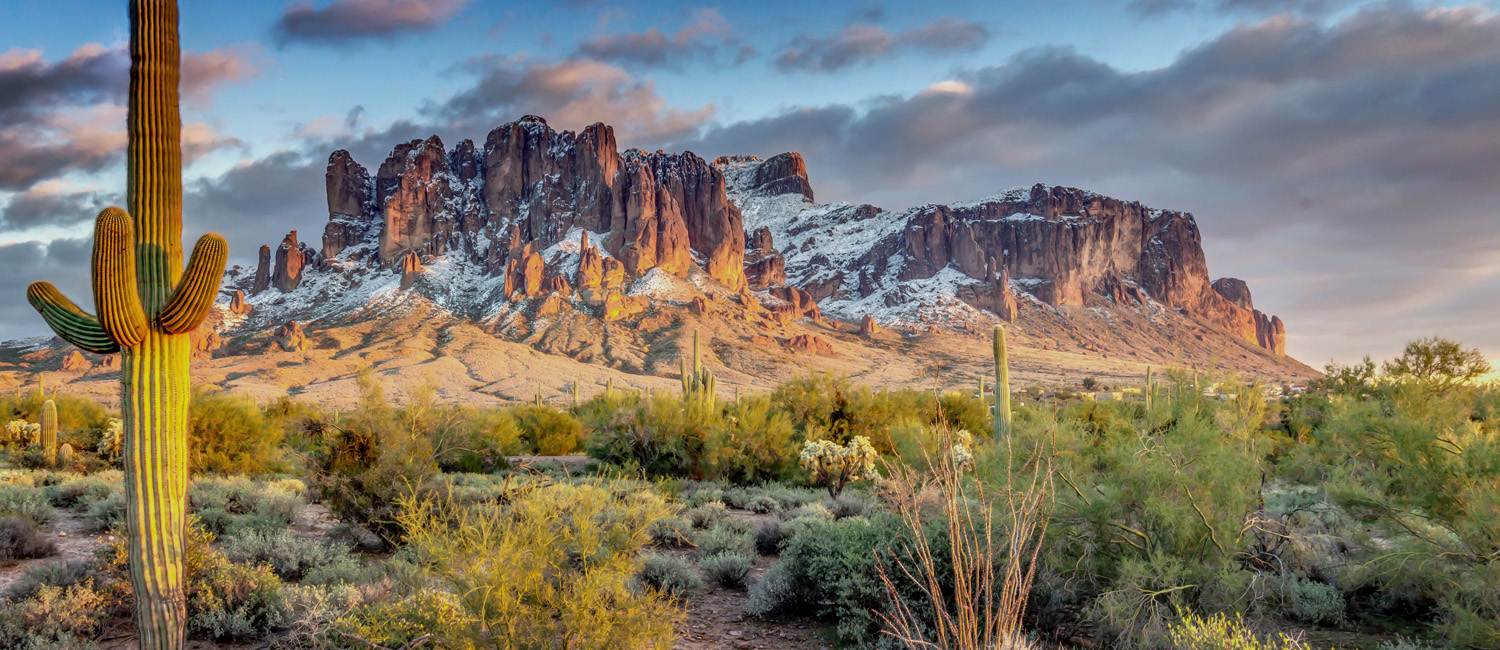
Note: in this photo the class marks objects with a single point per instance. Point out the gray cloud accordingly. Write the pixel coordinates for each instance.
(344, 22)
(33, 208)
(1149, 8)
(706, 38)
(64, 262)
(1353, 181)
(860, 43)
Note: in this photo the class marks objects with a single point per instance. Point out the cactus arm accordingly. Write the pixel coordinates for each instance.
(195, 294)
(69, 322)
(115, 290)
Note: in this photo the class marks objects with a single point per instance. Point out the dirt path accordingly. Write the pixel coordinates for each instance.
(716, 621)
(73, 542)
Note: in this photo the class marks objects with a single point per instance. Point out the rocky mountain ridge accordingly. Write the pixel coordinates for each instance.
(565, 217)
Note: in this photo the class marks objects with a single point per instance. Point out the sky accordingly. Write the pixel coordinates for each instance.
(1343, 157)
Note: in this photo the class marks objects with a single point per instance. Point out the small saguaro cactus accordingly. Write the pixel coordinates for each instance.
(65, 455)
(49, 431)
(1002, 385)
(147, 303)
(1150, 389)
(575, 393)
(699, 381)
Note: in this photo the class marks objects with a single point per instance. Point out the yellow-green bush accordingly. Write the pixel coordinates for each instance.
(228, 434)
(550, 432)
(552, 567)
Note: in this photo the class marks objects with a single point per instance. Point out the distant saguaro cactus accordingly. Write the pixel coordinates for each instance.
(147, 304)
(1150, 389)
(49, 432)
(699, 381)
(1002, 385)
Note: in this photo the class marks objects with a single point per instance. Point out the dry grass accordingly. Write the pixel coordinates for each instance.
(996, 534)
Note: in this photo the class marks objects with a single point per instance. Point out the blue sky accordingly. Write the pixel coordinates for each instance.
(1341, 156)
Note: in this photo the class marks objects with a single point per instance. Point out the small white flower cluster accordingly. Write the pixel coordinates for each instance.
(23, 432)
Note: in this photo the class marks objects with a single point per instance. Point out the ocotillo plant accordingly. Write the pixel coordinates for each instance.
(1002, 385)
(699, 382)
(147, 304)
(49, 432)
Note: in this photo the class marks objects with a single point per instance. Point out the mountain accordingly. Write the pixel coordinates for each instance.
(559, 242)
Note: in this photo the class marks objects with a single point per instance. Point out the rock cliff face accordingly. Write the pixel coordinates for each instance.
(532, 184)
(557, 216)
(1059, 246)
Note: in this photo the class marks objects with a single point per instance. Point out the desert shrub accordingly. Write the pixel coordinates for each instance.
(1312, 601)
(723, 539)
(763, 504)
(20, 539)
(769, 536)
(53, 617)
(313, 616)
(708, 514)
(773, 594)
(850, 504)
(436, 615)
(1220, 632)
(228, 434)
(492, 435)
(808, 511)
(671, 531)
(370, 461)
(663, 435)
(56, 573)
(79, 492)
(79, 419)
(699, 493)
(552, 566)
(26, 501)
(753, 443)
(290, 556)
(670, 574)
(235, 601)
(549, 431)
(830, 568)
(105, 514)
(231, 505)
(727, 569)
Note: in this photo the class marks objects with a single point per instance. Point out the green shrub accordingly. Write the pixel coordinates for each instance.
(53, 617)
(723, 539)
(235, 601)
(437, 615)
(492, 436)
(549, 431)
(228, 434)
(26, 501)
(672, 531)
(313, 616)
(290, 556)
(708, 514)
(20, 539)
(231, 505)
(105, 514)
(56, 573)
(774, 594)
(663, 435)
(1219, 632)
(768, 537)
(727, 569)
(80, 492)
(669, 574)
(752, 443)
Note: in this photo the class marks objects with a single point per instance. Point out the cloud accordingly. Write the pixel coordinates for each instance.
(1319, 157)
(344, 22)
(39, 207)
(861, 43)
(570, 94)
(1151, 8)
(69, 115)
(702, 40)
(63, 262)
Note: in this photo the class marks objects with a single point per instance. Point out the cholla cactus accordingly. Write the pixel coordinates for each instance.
(962, 451)
(834, 466)
(112, 441)
(21, 432)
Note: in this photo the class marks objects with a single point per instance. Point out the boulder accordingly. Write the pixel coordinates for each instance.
(290, 337)
(810, 344)
(411, 269)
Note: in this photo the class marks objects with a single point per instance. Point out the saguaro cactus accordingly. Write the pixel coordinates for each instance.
(49, 432)
(147, 304)
(1150, 389)
(1002, 385)
(698, 382)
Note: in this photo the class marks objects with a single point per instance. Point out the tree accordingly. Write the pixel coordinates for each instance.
(1439, 362)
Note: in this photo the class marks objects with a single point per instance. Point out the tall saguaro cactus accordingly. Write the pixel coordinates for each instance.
(49, 432)
(147, 304)
(1002, 385)
(697, 382)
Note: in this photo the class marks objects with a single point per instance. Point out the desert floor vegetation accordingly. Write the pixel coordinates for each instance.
(1197, 512)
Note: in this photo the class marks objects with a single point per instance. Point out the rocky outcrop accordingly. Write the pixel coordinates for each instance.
(291, 256)
(76, 362)
(764, 266)
(1236, 291)
(590, 273)
(411, 269)
(349, 190)
(532, 184)
(290, 337)
(868, 328)
(810, 344)
(784, 173)
(262, 270)
(237, 303)
(793, 303)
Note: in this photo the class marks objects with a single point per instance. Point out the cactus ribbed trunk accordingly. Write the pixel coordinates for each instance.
(49, 432)
(147, 305)
(1002, 385)
(154, 374)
